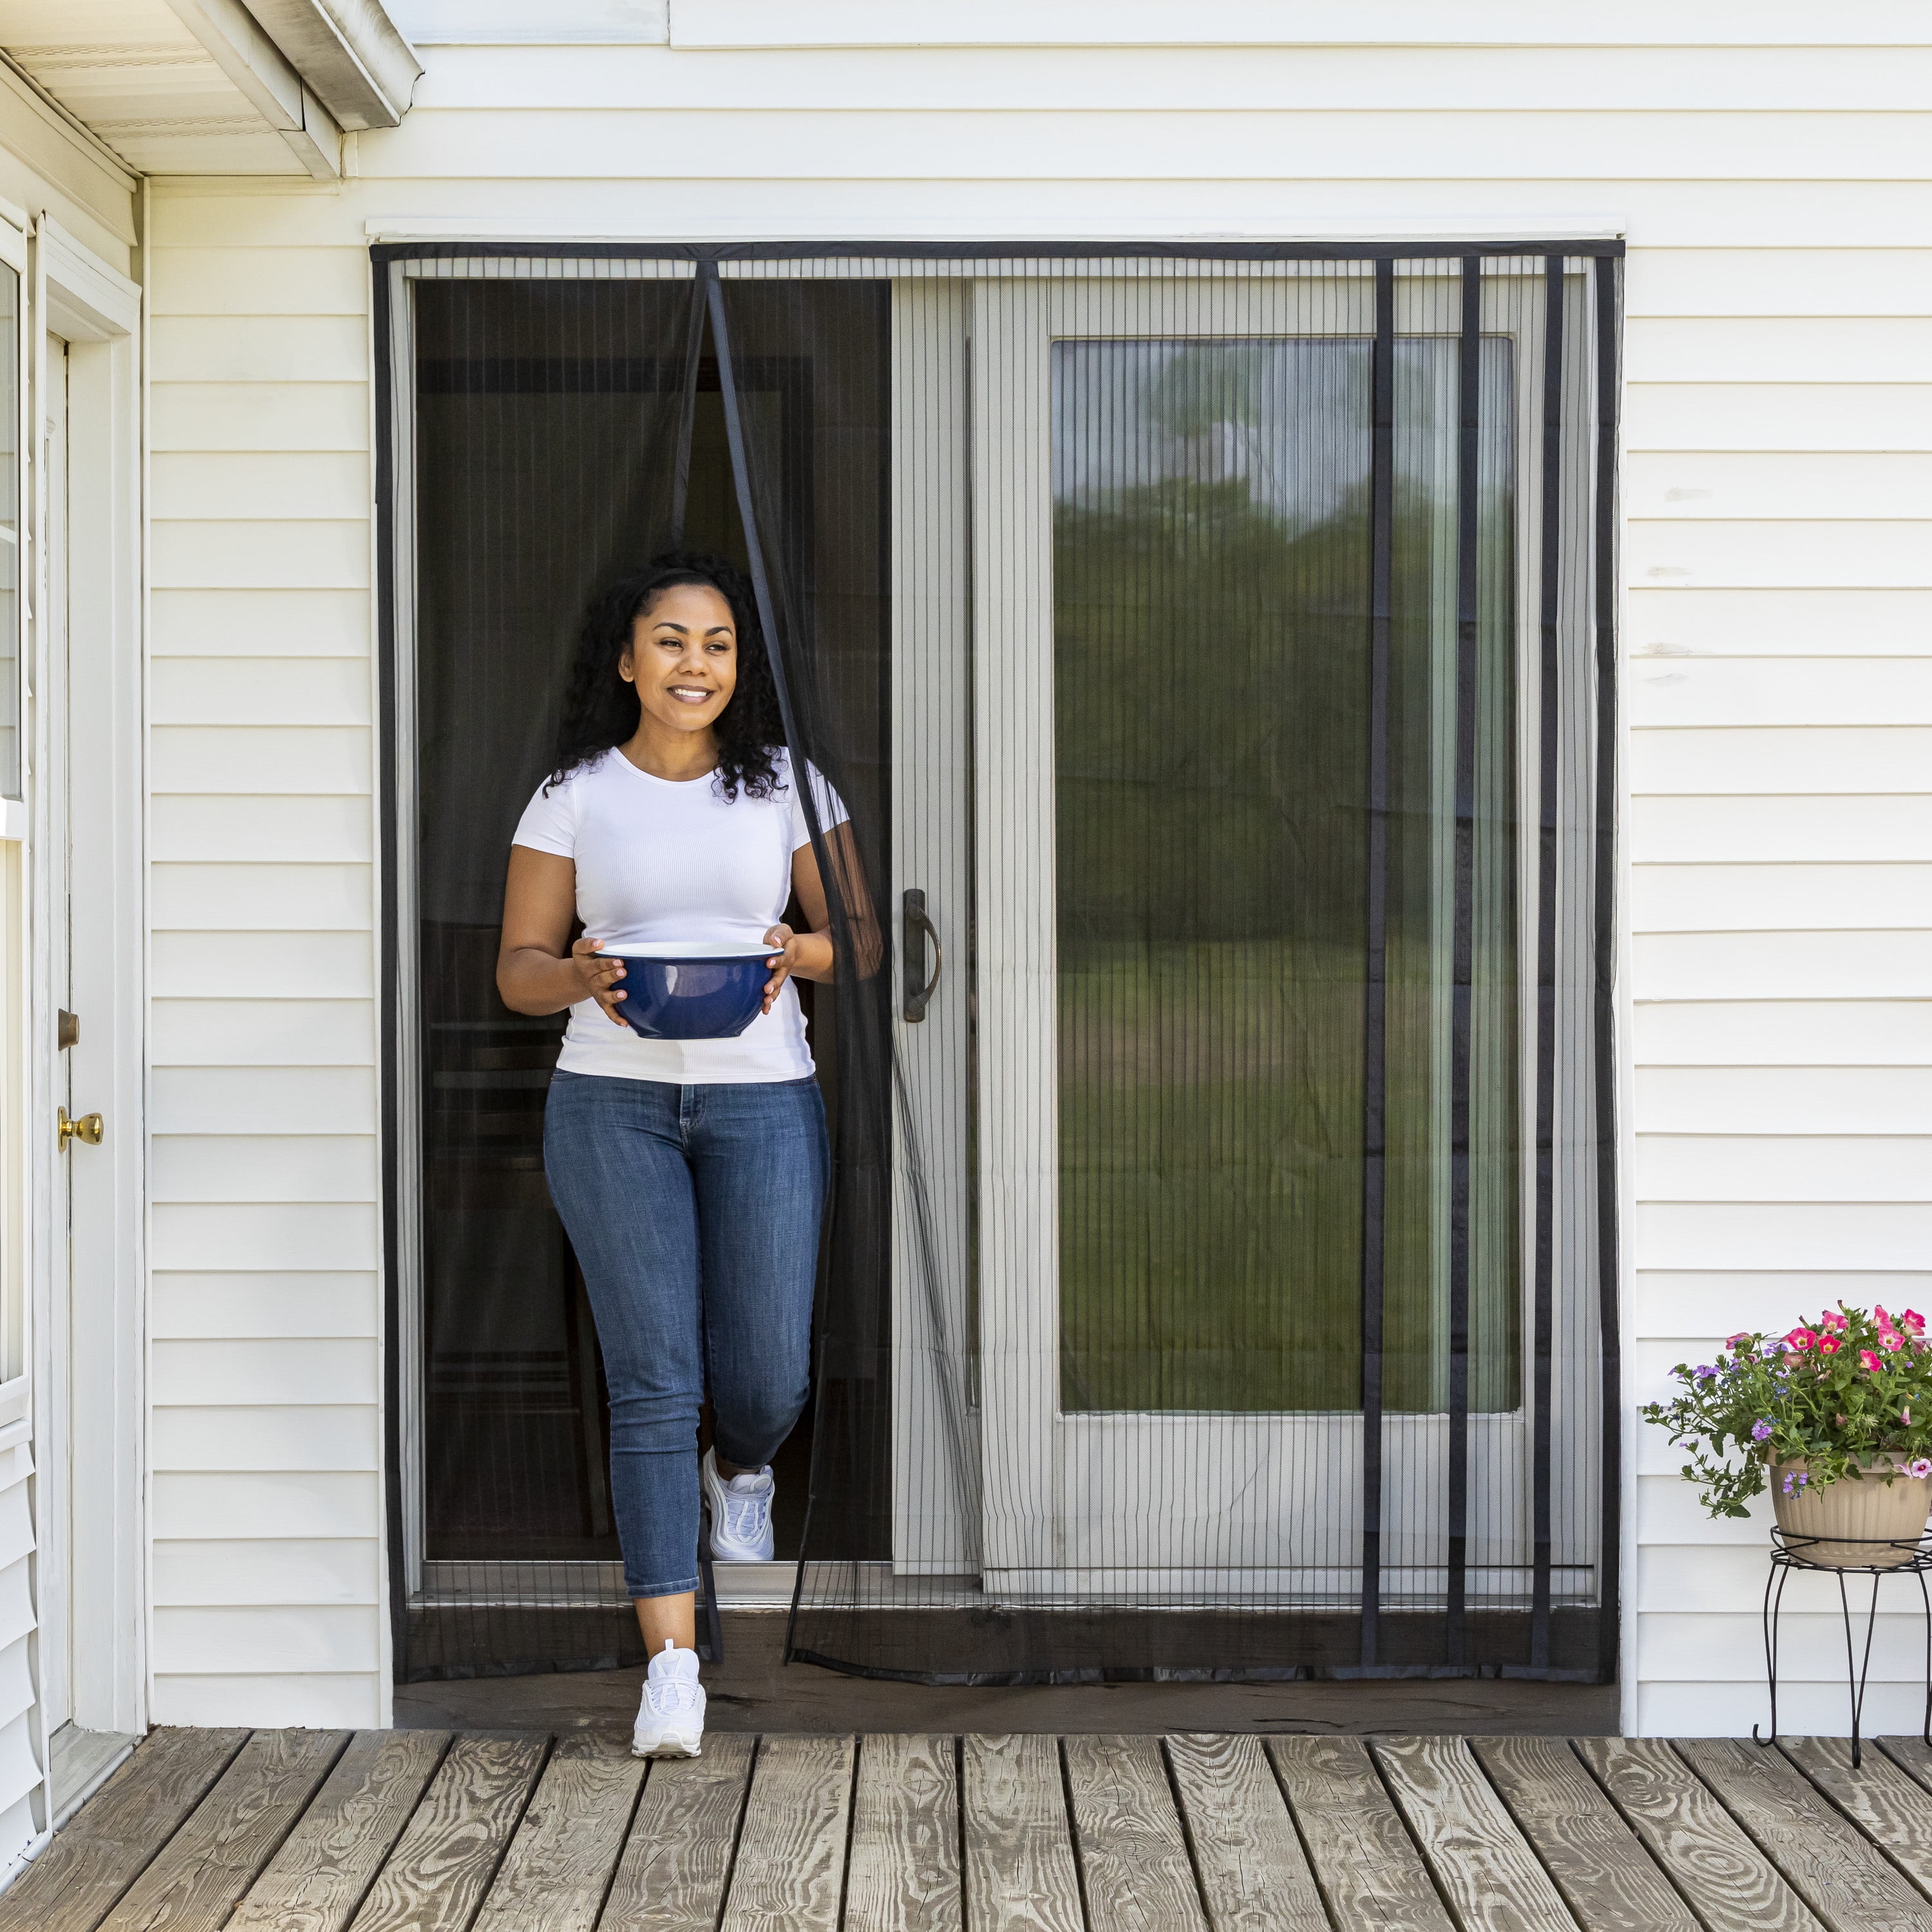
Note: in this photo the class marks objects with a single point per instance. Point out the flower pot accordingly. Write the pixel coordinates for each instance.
(1866, 1509)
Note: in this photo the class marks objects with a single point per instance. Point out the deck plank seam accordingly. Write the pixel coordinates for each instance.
(1434, 1877)
(851, 1824)
(959, 1825)
(623, 1845)
(1073, 1831)
(730, 1872)
(489, 1885)
(288, 1829)
(1871, 1837)
(1186, 1830)
(1528, 1837)
(1329, 1903)
(381, 1864)
(1670, 1877)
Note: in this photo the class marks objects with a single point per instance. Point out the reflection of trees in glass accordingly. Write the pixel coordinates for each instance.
(1211, 693)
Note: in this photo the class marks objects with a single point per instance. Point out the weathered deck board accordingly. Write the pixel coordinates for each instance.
(560, 1862)
(677, 1861)
(903, 1872)
(1370, 1872)
(1133, 1852)
(450, 1849)
(1254, 1874)
(193, 1884)
(1730, 1885)
(316, 1880)
(1020, 1872)
(111, 1840)
(1893, 1810)
(790, 1867)
(1609, 1882)
(1843, 1878)
(1491, 1877)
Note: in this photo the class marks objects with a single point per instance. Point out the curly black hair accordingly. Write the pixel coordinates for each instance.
(601, 709)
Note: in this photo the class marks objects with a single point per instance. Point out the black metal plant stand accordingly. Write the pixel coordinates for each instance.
(1789, 1552)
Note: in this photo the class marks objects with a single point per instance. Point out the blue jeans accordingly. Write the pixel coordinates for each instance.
(695, 1213)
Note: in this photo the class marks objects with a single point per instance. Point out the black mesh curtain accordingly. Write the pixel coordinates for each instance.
(1214, 649)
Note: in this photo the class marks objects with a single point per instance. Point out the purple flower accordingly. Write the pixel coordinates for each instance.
(1795, 1480)
(1759, 1430)
(1705, 1372)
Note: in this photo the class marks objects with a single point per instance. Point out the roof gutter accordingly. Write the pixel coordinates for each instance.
(348, 52)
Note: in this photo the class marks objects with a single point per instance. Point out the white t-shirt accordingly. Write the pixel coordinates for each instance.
(663, 861)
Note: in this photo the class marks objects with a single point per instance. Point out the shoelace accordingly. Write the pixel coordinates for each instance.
(668, 1694)
(744, 1515)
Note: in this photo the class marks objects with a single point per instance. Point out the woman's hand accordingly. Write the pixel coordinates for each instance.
(598, 978)
(807, 954)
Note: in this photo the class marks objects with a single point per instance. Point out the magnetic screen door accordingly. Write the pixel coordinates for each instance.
(1215, 651)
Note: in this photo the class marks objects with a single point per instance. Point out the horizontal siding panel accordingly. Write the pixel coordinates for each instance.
(308, 1370)
(220, 759)
(1667, 693)
(1845, 414)
(1854, 623)
(1773, 898)
(258, 281)
(274, 1504)
(221, 1306)
(1859, 282)
(1781, 484)
(260, 623)
(352, 1701)
(16, 1683)
(1769, 552)
(284, 1437)
(1782, 966)
(1817, 1709)
(277, 416)
(258, 1234)
(1786, 348)
(310, 966)
(258, 349)
(257, 1638)
(263, 1033)
(1745, 1032)
(261, 1167)
(1778, 1167)
(262, 1099)
(1704, 1305)
(308, 1571)
(326, 484)
(1870, 829)
(329, 829)
(1085, 142)
(305, 898)
(1844, 759)
(1719, 1649)
(16, 1582)
(216, 553)
(20, 1767)
(260, 691)
(1783, 1100)
(1794, 1233)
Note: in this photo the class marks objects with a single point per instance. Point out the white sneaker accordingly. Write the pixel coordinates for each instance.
(741, 1513)
(670, 1720)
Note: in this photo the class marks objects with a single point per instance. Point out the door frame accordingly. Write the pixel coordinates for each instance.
(90, 1488)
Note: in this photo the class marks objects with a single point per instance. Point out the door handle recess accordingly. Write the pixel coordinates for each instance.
(88, 1128)
(917, 929)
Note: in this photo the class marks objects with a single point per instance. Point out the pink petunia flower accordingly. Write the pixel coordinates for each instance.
(1870, 1361)
(1920, 1466)
(1912, 1322)
(1737, 1341)
(1835, 1321)
(1800, 1338)
(1829, 1345)
(1892, 1341)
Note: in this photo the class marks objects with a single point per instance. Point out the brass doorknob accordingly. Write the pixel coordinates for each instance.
(88, 1128)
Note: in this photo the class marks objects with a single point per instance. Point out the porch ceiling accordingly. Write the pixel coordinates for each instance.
(213, 87)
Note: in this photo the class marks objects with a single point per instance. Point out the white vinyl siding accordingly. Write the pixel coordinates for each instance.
(266, 1252)
(1777, 558)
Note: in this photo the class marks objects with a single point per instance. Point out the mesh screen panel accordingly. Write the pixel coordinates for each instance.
(1215, 652)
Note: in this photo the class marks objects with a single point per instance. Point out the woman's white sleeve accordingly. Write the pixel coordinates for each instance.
(549, 823)
(831, 808)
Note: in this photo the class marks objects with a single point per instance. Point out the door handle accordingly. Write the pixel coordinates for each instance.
(917, 928)
(88, 1128)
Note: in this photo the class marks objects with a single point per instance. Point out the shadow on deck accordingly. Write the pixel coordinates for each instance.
(421, 1830)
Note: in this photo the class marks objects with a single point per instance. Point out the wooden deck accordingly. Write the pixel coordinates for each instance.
(437, 1832)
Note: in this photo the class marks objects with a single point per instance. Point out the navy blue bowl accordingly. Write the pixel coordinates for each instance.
(677, 992)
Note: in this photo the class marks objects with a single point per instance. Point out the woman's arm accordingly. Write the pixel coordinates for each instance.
(809, 955)
(538, 971)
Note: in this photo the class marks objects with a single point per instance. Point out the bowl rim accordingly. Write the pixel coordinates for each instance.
(680, 954)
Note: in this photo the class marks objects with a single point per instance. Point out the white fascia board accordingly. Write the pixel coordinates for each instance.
(479, 23)
(237, 45)
(349, 52)
(727, 24)
(1590, 225)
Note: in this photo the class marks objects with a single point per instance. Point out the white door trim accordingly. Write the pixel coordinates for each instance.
(79, 297)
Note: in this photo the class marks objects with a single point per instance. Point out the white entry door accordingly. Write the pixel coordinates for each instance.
(1170, 573)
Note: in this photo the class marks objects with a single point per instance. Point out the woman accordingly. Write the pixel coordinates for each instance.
(691, 1174)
